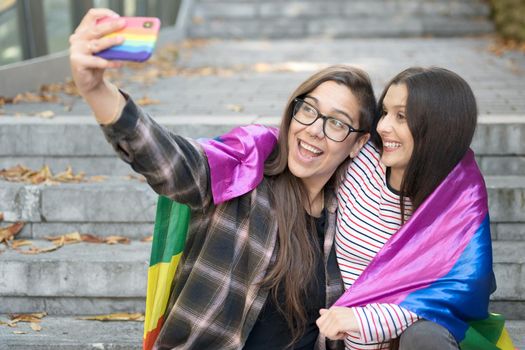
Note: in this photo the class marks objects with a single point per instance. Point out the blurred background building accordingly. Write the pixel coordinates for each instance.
(32, 28)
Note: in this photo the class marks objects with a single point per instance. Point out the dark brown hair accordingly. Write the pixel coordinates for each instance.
(295, 264)
(442, 115)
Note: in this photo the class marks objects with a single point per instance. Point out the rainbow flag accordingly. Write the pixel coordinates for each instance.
(236, 162)
(169, 237)
(439, 264)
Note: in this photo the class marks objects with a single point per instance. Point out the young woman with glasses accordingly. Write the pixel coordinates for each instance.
(257, 268)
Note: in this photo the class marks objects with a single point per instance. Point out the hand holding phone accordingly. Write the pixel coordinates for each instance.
(140, 35)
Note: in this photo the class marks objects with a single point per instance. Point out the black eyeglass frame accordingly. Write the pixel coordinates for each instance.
(351, 129)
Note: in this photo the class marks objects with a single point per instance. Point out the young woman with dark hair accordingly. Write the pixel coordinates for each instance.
(257, 268)
(427, 122)
(442, 127)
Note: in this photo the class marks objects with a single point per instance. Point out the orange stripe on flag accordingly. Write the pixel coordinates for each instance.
(151, 336)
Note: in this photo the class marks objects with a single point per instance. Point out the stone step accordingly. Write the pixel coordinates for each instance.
(61, 333)
(294, 19)
(498, 141)
(114, 206)
(126, 207)
(70, 333)
(284, 28)
(82, 270)
(100, 278)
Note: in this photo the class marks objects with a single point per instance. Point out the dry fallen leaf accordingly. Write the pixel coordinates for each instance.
(501, 46)
(98, 178)
(35, 250)
(46, 114)
(197, 20)
(89, 238)
(20, 243)
(7, 233)
(235, 108)
(76, 237)
(36, 327)
(147, 239)
(69, 176)
(20, 173)
(31, 318)
(115, 317)
(146, 101)
(116, 240)
(68, 238)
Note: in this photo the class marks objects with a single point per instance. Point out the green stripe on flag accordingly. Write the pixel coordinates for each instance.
(483, 334)
(171, 227)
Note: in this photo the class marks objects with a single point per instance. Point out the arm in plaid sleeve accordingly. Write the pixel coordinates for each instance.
(174, 166)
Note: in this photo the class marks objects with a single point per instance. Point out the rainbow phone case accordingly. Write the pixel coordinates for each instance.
(140, 35)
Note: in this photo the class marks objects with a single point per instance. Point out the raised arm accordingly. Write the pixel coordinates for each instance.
(88, 70)
(174, 166)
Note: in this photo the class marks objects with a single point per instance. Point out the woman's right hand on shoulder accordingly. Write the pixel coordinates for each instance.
(88, 39)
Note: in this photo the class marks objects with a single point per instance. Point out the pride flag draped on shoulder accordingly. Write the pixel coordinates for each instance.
(438, 265)
(236, 162)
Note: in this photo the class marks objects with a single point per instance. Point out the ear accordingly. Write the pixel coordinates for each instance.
(359, 143)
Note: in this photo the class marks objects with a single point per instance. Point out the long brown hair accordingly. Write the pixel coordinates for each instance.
(442, 115)
(295, 265)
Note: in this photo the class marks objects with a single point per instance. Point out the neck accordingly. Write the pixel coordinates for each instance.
(316, 198)
(395, 179)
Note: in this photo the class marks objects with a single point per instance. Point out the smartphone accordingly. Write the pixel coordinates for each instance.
(140, 35)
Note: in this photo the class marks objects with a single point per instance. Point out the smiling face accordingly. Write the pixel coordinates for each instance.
(398, 143)
(313, 157)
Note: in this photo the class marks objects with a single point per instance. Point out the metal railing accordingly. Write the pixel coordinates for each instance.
(30, 15)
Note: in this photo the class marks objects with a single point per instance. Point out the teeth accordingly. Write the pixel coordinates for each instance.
(392, 144)
(310, 148)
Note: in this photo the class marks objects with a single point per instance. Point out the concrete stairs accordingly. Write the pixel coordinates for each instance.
(91, 279)
(85, 278)
(337, 18)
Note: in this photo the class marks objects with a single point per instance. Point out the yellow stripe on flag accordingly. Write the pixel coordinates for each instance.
(504, 341)
(160, 277)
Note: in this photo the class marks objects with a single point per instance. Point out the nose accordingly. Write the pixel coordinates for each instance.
(316, 129)
(384, 125)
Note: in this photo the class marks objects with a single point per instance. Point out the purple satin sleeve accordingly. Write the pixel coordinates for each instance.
(236, 160)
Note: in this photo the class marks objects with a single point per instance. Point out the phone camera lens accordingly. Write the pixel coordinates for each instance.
(148, 24)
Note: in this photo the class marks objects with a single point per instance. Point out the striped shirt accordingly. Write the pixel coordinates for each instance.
(368, 215)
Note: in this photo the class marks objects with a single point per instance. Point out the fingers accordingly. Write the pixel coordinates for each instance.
(93, 15)
(89, 47)
(104, 43)
(81, 62)
(336, 322)
(96, 31)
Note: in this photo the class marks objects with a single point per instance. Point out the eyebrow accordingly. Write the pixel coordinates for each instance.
(335, 109)
(395, 106)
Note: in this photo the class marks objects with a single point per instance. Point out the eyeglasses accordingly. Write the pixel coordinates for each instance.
(335, 129)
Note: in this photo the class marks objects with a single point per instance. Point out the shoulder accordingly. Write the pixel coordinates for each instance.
(368, 155)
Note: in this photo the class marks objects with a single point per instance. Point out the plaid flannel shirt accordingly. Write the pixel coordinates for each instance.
(215, 298)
